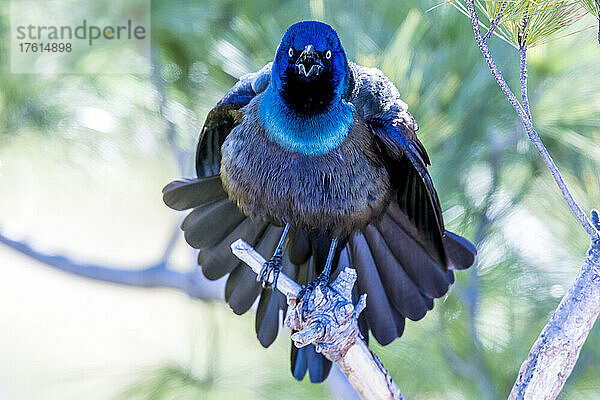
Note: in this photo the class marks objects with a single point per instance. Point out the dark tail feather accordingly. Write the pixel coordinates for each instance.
(271, 303)
(460, 252)
(218, 260)
(246, 289)
(299, 248)
(306, 358)
(399, 320)
(190, 193)
(399, 287)
(318, 365)
(319, 245)
(299, 362)
(232, 280)
(267, 316)
(379, 312)
(419, 266)
(241, 289)
(210, 223)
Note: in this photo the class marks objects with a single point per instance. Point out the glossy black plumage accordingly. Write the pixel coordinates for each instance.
(372, 191)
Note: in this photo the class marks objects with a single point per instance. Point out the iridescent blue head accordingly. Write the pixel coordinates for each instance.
(311, 70)
(305, 108)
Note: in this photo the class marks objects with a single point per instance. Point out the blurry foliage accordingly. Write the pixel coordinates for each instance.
(225, 363)
(493, 187)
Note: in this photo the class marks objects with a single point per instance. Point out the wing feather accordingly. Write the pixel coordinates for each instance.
(224, 117)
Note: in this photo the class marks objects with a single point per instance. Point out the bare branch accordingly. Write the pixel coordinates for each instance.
(329, 321)
(156, 275)
(555, 352)
(528, 124)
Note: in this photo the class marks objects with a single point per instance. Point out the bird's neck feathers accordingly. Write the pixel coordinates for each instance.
(309, 134)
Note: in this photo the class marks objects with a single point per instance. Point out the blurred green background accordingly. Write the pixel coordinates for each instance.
(83, 159)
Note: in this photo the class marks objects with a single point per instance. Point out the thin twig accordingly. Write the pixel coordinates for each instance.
(523, 62)
(598, 3)
(528, 124)
(494, 23)
(523, 79)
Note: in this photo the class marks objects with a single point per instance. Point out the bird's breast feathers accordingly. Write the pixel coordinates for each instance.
(271, 174)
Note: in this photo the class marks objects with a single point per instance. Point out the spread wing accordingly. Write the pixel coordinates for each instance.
(224, 117)
(405, 258)
(400, 151)
(406, 162)
(215, 222)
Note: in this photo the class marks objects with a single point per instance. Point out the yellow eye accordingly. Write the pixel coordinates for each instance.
(291, 52)
(328, 54)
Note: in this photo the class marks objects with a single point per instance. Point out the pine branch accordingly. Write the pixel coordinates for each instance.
(329, 321)
(554, 354)
(528, 124)
(494, 23)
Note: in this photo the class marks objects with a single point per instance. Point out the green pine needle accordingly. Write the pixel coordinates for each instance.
(591, 6)
(529, 22)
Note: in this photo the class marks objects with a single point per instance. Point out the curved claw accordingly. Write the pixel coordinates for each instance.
(270, 272)
(307, 290)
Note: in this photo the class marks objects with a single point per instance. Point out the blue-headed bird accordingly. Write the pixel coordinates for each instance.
(315, 161)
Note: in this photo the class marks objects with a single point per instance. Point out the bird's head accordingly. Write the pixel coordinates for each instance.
(311, 70)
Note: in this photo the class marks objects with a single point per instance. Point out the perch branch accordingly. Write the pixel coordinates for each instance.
(528, 124)
(329, 321)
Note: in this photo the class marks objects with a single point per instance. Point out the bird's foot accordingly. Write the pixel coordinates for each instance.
(270, 272)
(306, 291)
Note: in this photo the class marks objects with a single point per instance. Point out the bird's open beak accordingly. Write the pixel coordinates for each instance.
(309, 63)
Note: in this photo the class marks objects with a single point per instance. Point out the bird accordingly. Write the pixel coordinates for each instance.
(315, 160)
